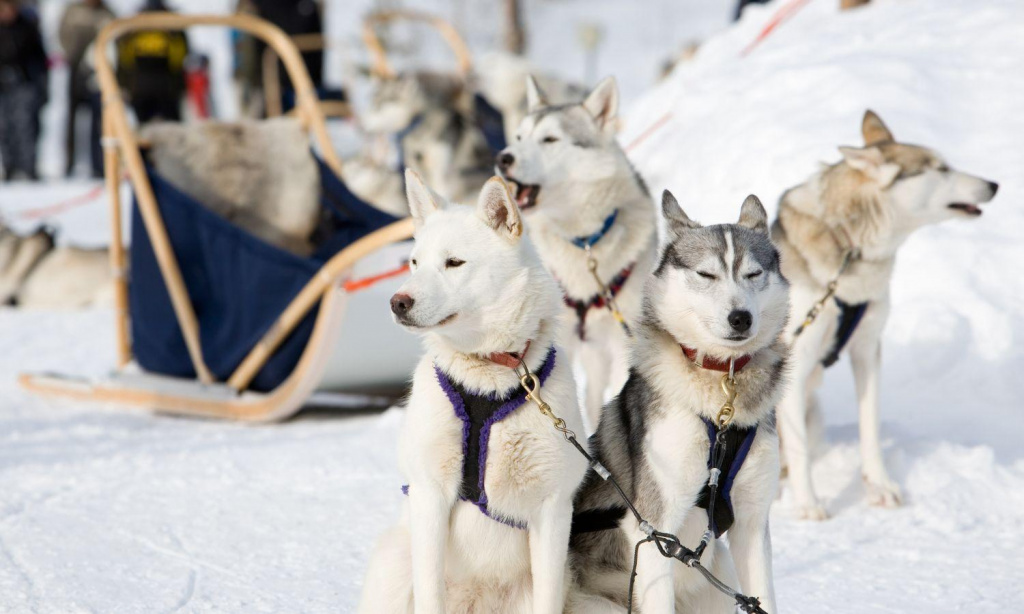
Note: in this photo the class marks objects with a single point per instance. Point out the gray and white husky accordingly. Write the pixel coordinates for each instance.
(577, 187)
(485, 526)
(865, 205)
(716, 302)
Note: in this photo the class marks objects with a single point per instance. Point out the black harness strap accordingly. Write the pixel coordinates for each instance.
(736, 444)
(850, 316)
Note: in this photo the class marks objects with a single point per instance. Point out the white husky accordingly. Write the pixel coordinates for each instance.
(861, 210)
(585, 204)
(485, 527)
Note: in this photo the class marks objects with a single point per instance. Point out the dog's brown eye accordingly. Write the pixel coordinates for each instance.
(413, 262)
(754, 275)
(706, 275)
(549, 139)
(452, 263)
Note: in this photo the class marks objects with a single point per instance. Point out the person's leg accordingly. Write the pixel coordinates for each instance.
(69, 135)
(95, 134)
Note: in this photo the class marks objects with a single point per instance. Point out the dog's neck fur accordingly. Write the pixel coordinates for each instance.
(633, 232)
(826, 216)
(683, 384)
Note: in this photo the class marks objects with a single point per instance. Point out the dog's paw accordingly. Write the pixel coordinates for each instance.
(814, 511)
(883, 493)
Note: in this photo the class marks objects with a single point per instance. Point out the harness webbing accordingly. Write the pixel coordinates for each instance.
(850, 316)
(598, 301)
(478, 414)
(737, 445)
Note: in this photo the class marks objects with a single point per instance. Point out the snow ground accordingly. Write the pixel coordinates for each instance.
(111, 511)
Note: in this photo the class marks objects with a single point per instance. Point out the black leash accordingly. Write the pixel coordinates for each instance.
(668, 544)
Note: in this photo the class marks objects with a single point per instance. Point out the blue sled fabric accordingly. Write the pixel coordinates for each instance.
(237, 283)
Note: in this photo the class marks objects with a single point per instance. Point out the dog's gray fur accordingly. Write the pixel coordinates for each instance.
(651, 436)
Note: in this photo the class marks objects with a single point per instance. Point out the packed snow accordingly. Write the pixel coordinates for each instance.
(105, 510)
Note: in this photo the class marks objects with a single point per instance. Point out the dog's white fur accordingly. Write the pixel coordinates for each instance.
(570, 151)
(874, 198)
(445, 555)
(260, 175)
(672, 393)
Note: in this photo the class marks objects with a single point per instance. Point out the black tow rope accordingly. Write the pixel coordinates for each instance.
(668, 544)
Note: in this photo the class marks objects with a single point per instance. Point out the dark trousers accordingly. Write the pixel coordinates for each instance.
(149, 108)
(19, 129)
(91, 100)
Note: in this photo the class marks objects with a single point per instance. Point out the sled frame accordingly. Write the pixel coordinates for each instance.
(272, 80)
(381, 67)
(205, 397)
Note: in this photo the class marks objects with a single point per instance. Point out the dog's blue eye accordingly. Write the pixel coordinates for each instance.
(754, 275)
(549, 139)
(452, 263)
(706, 275)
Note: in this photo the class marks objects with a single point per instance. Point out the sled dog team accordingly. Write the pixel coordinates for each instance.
(558, 264)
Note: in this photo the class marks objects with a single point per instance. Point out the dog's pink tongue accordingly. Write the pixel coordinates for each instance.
(523, 196)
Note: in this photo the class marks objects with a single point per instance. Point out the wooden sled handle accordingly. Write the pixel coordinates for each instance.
(123, 147)
(380, 65)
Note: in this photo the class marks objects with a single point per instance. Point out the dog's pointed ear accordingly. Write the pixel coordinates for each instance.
(674, 214)
(874, 129)
(871, 162)
(753, 215)
(535, 97)
(422, 200)
(603, 104)
(497, 209)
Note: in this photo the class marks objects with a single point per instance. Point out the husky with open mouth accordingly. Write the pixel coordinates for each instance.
(713, 319)
(838, 234)
(592, 219)
(490, 481)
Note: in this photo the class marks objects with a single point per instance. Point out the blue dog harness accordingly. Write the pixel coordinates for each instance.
(478, 413)
(737, 444)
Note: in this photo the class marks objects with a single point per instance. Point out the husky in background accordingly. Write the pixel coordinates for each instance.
(858, 211)
(485, 527)
(35, 273)
(502, 79)
(430, 120)
(584, 200)
(717, 301)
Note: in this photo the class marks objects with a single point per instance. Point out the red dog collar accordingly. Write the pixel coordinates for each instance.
(714, 364)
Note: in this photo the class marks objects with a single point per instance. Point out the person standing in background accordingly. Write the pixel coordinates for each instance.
(151, 67)
(79, 26)
(23, 90)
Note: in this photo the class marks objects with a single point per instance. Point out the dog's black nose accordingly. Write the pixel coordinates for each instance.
(401, 304)
(505, 160)
(992, 185)
(739, 320)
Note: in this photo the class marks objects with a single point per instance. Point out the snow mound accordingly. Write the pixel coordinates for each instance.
(945, 75)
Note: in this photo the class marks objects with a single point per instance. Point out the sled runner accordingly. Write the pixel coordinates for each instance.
(487, 117)
(212, 321)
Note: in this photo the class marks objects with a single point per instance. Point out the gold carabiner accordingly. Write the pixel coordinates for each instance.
(725, 415)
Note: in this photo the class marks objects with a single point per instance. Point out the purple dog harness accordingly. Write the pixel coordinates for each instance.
(478, 414)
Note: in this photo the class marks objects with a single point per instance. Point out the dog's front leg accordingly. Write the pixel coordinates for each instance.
(655, 588)
(866, 359)
(429, 513)
(751, 547)
(549, 546)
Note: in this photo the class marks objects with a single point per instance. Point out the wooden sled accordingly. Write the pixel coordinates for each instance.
(231, 398)
(272, 79)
